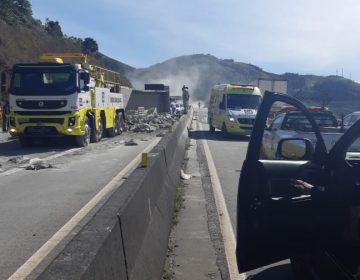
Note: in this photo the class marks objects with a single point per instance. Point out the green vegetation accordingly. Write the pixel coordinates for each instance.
(179, 202)
(53, 28)
(23, 39)
(89, 46)
(15, 12)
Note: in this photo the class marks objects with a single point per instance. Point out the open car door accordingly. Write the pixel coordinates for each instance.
(277, 219)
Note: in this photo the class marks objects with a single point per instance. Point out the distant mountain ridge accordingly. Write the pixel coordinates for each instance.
(202, 71)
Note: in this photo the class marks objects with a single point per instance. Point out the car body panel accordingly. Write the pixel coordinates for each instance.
(274, 220)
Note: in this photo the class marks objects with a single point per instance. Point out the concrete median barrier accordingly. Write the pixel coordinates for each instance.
(127, 238)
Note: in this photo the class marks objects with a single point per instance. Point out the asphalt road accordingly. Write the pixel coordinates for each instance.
(228, 153)
(35, 204)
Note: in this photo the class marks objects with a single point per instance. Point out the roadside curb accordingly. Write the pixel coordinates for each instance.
(127, 238)
(196, 248)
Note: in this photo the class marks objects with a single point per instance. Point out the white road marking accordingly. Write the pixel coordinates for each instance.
(224, 218)
(21, 167)
(99, 199)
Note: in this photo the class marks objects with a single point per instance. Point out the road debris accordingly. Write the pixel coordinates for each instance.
(185, 176)
(18, 160)
(149, 120)
(37, 164)
(131, 142)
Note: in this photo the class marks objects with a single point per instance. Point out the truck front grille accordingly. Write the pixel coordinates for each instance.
(41, 120)
(41, 104)
(41, 131)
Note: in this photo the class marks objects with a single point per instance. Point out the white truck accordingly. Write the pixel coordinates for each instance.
(291, 123)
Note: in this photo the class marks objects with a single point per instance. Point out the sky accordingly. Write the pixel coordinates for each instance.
(307, 37)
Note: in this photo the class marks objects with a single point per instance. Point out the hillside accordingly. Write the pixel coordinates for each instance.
(23, 39)
(200, 72)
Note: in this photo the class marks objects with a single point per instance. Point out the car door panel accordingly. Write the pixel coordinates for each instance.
(276, 222)
(274, 219)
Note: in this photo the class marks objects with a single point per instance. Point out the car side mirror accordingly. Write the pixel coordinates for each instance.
(295, 149)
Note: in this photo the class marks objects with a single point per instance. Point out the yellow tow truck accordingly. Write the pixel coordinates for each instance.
(56, 98)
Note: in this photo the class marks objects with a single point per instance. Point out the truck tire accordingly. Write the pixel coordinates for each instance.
(25, 141)
(120, 124)
(84, 140)
(211, 128)
(96, 135)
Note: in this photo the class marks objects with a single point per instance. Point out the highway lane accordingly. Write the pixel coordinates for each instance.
(228, 153)
(36, 204)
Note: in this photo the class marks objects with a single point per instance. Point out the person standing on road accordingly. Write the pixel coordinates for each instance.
(185, 98)
(173, 107)
(5, 116)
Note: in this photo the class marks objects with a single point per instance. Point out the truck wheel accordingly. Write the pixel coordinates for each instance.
(84, 140)
(97, 134)
(25, 141)
(211, 128)
(224, 130)
(111, 132)
(120, 124)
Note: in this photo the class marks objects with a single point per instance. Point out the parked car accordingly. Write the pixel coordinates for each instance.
(350, 119)
(290, 122)
(317, 224)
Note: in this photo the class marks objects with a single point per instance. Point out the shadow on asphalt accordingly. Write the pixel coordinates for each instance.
(280, 272)
(216, 136)
(13, 147)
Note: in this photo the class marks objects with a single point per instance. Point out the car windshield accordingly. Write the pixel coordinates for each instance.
(43, 80)
(243, 101)
(298, 121)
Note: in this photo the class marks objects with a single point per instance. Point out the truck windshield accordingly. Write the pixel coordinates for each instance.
(243, 101)
(43, 80)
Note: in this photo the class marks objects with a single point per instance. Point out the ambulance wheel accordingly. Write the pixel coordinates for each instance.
(84, 140)
(211, 128)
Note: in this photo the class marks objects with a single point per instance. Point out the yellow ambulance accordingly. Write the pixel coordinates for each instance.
(233, 108)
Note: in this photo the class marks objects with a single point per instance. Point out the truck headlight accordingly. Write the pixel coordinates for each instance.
(71, 121)
(232, 119)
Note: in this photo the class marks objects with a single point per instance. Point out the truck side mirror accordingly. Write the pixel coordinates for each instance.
(85, 77)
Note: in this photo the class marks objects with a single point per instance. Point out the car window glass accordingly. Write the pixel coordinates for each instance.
(353, 119)
(286, 121)
(347, 120)
(277, 123)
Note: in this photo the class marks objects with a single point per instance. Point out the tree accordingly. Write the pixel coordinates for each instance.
(89, 46)
(16, 11)
(53, 28)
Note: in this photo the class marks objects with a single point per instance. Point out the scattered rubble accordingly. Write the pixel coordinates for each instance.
(37, 164)
(19, 160)
(131, 142)
(149, 120)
